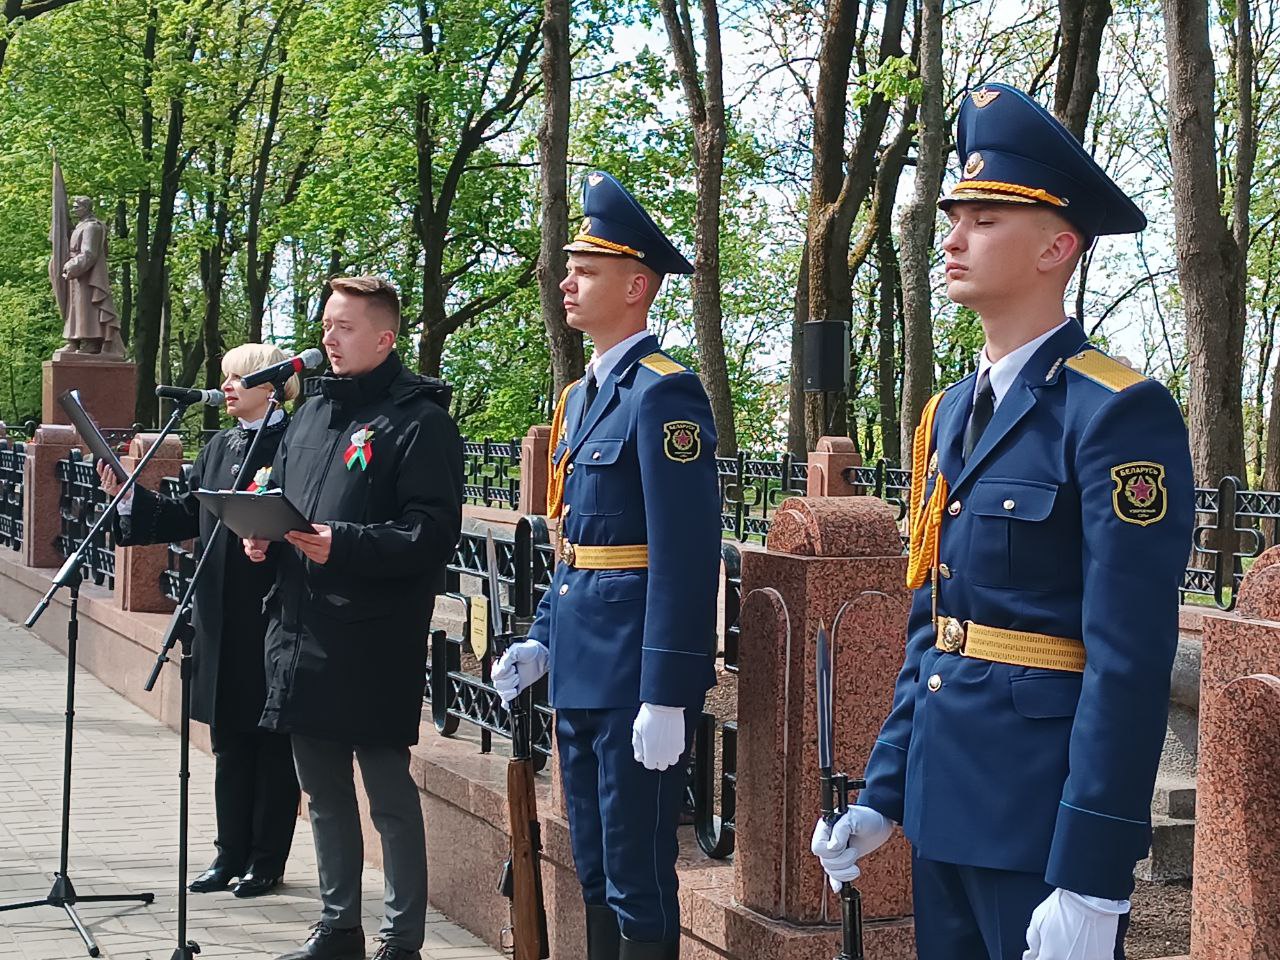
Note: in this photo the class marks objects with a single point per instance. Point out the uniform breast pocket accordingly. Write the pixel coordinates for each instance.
(601, 492)
(1013, 538)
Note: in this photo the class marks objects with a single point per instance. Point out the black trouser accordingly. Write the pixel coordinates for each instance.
(255, 792)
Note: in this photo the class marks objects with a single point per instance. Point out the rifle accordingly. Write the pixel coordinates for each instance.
(521, 881)
(835, 794)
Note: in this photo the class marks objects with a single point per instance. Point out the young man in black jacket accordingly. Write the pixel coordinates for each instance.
(375, 462)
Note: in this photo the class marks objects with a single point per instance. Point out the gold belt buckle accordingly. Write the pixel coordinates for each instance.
(952, 635)
(567, 552)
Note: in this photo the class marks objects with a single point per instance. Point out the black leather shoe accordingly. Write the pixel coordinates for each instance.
(252, 885)
(602, 932)
(389, 951)
(215, 878)
(638, 950)
(326, 943)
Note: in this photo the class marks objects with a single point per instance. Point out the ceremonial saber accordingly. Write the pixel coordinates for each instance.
(835, 790)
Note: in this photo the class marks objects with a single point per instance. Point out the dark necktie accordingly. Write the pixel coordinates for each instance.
(591, 389)
(984, 405)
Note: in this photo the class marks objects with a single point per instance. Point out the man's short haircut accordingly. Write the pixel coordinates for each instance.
(374, 289)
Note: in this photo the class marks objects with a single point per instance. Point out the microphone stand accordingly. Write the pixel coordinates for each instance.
(63, 894)
(181, 629)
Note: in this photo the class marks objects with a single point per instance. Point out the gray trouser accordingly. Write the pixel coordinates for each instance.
(327, 777)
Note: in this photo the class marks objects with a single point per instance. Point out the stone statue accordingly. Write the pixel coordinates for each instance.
(91, 324)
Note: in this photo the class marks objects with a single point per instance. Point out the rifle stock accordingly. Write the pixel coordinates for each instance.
(528, 914)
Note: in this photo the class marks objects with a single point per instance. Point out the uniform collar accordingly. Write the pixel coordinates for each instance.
(602, 364)
(1004, 371)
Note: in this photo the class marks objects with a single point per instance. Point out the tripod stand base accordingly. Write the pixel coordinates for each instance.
(64, 896)
(186, 953)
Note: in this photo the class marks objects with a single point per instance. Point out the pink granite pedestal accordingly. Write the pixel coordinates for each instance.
(836, 561)
(1236, 884)
(138, 569)
(41, 522)
(107, 390)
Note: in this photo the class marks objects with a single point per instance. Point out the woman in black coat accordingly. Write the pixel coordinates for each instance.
(255, 785)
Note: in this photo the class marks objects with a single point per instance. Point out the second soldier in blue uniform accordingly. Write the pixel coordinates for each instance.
(1051, 520)
(627, 629)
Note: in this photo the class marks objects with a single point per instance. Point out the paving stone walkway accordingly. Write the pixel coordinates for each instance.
(124, 829)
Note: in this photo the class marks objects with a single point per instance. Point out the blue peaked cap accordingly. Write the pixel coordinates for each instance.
(616, 224)
(1015, 151)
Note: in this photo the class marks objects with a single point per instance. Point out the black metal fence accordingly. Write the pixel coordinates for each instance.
(81, 501)
(180, 561)
(491, 473)
(13, 463)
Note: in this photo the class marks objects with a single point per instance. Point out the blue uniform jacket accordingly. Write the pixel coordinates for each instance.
(1039, 770)
(642, 470)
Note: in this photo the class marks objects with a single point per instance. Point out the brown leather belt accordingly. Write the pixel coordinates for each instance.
(604, 558)
(1020, 648)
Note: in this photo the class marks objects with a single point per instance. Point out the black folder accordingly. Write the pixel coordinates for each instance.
(255, 516)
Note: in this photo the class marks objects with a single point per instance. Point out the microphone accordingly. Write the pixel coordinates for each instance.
(279, 372)
(212, 398)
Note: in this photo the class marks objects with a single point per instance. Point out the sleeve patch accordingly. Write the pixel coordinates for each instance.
(661, 364)
(1104, 370)
(1139, 496)
(681, 440)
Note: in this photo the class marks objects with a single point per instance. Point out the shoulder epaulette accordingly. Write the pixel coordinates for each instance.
(1104, 370)
(661, 364)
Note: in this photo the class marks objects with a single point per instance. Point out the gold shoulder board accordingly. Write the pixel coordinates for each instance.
(661, 364)
(1102, 369)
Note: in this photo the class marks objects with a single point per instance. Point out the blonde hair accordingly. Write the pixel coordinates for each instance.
(248, 357)
(372, 289)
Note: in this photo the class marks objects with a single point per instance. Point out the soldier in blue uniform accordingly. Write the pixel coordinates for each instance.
(628, 628)
(1051, 521)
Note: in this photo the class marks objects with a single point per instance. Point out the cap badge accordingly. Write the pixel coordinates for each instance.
(973, 166)
(984, 97)
(586, 226)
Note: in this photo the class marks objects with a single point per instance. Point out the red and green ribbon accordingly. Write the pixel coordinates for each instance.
(361, 449)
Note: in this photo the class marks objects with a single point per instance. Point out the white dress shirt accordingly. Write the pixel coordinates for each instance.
(1005, 370)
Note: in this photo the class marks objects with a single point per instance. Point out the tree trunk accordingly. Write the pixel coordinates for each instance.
(704, 97)
(126, 277)
(887, 366)
(567, 361)
(837, 192)
(1081, 25)
(918, 222)
(151, 284)
(1210, 258)
(258, 263)
(796, 445)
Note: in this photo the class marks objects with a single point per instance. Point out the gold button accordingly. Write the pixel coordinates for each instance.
(565, 511)
(945, 571)
(954, 509)
(569, 469)
(564, 588)
(935, 683)
(596, 455)
(1009, 504)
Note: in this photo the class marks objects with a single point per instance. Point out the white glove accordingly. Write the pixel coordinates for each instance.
(523, 664)
(657, 736)
(1072, 926)
(853, 836)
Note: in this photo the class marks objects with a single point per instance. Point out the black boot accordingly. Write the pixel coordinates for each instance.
(641, 950)
(328, 943)
(602, 933)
